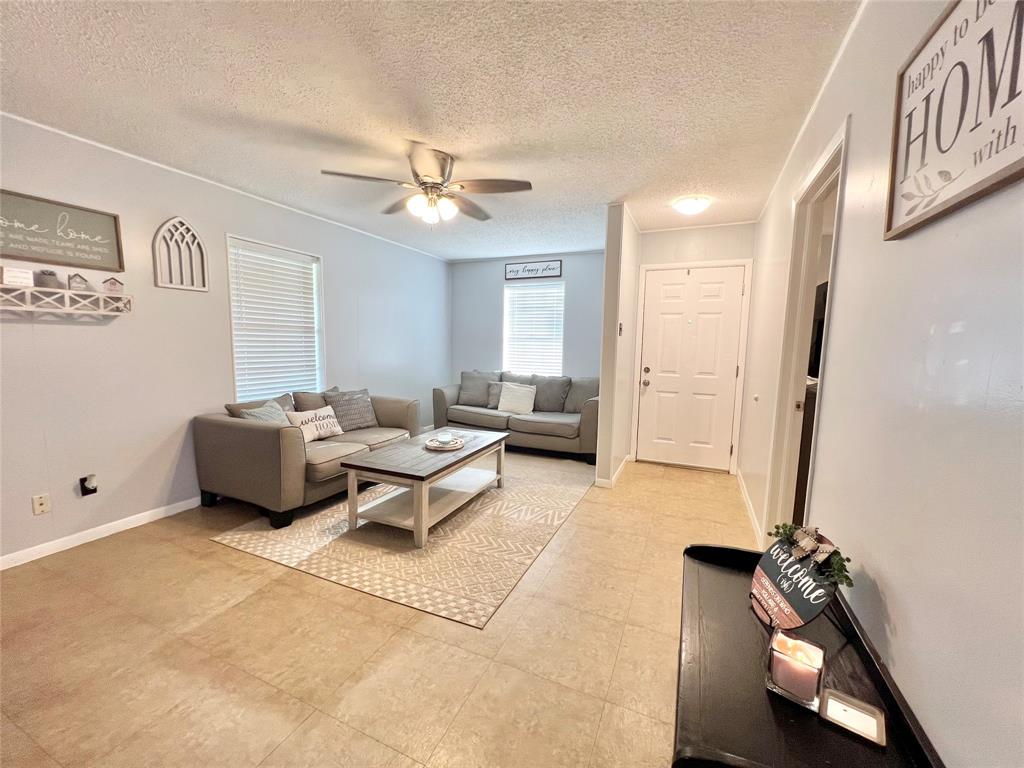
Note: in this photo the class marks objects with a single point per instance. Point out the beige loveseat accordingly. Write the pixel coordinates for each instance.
(564, 416)
(269, 464)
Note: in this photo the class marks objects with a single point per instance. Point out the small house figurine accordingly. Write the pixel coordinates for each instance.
(77, 282)
(113, 285)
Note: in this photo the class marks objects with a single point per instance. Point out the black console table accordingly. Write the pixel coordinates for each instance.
(724, 714)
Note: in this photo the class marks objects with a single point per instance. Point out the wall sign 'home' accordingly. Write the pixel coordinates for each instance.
(533, 269)
(958, 131)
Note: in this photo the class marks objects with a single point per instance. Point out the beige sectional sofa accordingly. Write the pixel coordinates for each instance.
(564, 417)
(269, 464)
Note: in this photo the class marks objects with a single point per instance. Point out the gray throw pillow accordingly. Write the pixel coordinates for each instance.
(473, 388)
(270, 412)
(493, 393)
(551, 393)
(517, 378)
(311, 401)
(353, 409)
(580, 391)
(235, 409)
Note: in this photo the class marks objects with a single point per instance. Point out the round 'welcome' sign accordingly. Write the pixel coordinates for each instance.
(789, 588)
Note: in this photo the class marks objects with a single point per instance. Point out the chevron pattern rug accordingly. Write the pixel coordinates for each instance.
(472, 560)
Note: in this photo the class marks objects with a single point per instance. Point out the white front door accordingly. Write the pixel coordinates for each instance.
(688, 360)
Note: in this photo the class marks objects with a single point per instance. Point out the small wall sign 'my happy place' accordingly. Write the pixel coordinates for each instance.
(533, 269)
(797, 577)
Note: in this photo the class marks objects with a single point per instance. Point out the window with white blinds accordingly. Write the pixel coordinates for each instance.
(533, 328)
(275, 320)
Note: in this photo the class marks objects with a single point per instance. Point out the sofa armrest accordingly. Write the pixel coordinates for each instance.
(588, 426)
(264, 464)
(444, 398)
(397, 412)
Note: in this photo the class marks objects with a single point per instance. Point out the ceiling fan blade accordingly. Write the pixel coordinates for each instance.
(484, 186)
(363, 178)
(469, 208)
(398, 205)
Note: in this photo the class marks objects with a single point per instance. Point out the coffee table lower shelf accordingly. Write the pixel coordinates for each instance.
(444, 497)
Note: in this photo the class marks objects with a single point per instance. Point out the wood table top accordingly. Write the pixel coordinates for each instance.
(409, 459)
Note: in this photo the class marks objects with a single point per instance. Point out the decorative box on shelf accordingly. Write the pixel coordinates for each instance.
(60, 301)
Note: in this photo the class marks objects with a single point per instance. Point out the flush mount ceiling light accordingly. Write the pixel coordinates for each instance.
(692, 204)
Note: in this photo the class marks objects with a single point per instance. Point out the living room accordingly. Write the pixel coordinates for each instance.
(441, 280)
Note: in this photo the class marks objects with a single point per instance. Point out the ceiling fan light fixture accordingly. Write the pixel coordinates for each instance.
(417, 205)
(691, 205)
(447, 209)
(431, 216)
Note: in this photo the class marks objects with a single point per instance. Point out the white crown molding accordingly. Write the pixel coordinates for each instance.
(700, 226)
(228, 187)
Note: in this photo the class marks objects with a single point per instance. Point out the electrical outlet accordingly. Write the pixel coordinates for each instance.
(41, 504)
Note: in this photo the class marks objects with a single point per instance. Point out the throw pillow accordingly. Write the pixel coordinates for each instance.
(493, 393)
(315, 425)
(473, 388)
(517, 398)
(580, 391)
(353, 409)
(235, 409)
(270, 412)
(311, 401)
(551, 392)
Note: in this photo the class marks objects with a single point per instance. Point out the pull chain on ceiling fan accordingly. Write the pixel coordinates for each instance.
(436, 199)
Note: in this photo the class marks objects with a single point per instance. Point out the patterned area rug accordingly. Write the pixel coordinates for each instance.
(472, 560)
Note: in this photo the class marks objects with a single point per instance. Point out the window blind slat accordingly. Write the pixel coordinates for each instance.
(275, 320)
(533, 329)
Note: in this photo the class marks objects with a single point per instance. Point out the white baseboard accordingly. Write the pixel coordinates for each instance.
(83, 537)
(602, 483)
(754, 523)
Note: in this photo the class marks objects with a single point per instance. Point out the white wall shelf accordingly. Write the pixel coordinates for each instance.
(56, 300)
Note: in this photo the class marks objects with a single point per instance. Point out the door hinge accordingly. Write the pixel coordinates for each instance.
(737, 371)
(743, 287)
(730, 450)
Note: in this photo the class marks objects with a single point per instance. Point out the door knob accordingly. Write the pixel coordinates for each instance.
(647, 369)
(646, 382)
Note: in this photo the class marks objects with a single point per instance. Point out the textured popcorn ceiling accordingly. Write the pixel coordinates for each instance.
(593, 102)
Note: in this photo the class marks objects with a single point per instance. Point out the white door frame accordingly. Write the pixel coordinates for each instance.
(785, 440)
(645, 269)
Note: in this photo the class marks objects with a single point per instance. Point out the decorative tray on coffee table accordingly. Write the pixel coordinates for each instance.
(433, 444)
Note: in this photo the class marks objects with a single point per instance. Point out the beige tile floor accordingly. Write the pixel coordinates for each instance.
(157, 647)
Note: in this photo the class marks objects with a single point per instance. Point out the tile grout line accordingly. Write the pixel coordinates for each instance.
(31, 738)
(313, 710)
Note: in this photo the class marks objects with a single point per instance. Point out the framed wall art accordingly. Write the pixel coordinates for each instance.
(532, 270)
(957, 129)
(36, 229)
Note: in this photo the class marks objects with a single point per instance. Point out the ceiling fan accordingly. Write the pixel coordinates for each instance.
(435, 198)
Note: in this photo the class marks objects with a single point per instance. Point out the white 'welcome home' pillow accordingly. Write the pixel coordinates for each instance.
(315, 425)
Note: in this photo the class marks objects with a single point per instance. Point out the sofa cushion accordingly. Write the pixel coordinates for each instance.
(322, 457)
(493, 394)
(580, 391)
(551, 392)
(544, 423)
(235, 409)
(375, 437)
(517, 398)
(353, 409)
(310, 401)
(270, 412)
(473, 388)
(517, 378)
(476, 416)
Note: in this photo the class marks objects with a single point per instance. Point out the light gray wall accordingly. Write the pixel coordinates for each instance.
(477, 312)
(116, 397)
(679, 246)
(618, 349)
(919, 470)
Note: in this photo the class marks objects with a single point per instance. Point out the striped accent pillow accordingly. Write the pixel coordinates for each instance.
(270, 412)
(353, 409)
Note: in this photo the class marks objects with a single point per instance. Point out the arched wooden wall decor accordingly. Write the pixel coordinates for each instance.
(179, 257)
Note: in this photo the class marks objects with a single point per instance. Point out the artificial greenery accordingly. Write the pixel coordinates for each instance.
(833, 570)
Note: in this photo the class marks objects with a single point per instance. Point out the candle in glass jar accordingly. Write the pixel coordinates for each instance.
(796, 666)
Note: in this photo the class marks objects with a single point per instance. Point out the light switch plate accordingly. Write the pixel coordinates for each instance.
(41, 504)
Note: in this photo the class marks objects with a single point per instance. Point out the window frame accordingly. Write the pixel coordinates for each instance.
(524, 285)
(318, 301)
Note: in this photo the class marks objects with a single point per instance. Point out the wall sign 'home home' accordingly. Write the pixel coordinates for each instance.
(958, 131)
